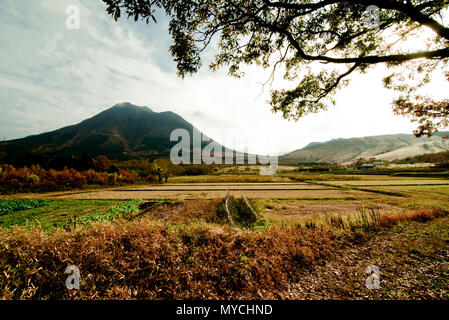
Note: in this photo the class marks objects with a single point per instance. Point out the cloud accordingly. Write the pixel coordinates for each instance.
(51, 77)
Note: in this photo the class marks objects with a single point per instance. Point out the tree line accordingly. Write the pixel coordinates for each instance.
(79, 172)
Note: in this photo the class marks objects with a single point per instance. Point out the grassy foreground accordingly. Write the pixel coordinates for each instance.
(299, 248)
(149, 258)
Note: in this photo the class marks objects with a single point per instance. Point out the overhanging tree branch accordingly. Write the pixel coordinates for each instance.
(326, 31)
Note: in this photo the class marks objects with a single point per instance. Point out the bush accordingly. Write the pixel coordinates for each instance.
(37, 179)
(197, 169)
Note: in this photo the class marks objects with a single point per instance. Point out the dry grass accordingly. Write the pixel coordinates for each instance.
(372, 219)
(182, 212)
(294, 212)
(147, 259)
(413, 258)
(309, 193)
(422, 215)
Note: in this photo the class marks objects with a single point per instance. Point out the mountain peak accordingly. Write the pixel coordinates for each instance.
(122, 131)
(128, 105)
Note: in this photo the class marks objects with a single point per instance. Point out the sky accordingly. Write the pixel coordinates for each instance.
(52, 76)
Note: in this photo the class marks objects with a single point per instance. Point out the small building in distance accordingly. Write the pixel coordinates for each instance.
(376, 164)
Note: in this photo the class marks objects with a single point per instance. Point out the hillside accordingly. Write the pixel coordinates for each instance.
(127, 131)
(120, 132)
(386, 147)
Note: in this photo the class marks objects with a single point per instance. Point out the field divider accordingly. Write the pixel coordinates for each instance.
(214, 189)
(357, 188)
(399, 185)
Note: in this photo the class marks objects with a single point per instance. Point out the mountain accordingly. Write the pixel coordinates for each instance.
(120, 132)
(127, 131)
(385, 147)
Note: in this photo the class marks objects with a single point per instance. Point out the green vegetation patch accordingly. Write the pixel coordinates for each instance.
(10, 206)
(239, 211)
(125, 209)
(60, 213)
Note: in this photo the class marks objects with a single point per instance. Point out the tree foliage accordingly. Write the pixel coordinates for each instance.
(37, 179)
(101, 164)
(319, 43)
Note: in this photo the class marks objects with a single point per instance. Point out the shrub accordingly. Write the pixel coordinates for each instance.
(37, 179)
(197, 169)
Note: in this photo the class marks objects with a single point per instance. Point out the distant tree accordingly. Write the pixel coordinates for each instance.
(157, 171)
(165, 169)
(101, 164)
(301, 35)
(196, 169)
(146, 171)
(359, 162)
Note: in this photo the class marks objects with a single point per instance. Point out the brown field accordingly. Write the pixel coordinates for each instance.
(375, 191)
(395, 182)
(422, 190)
(210, 191)
(172, 247)
(226, 186)
(185, 191)
(293, 212)
(186, 194)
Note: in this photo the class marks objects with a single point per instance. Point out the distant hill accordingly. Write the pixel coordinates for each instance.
(120, 132)
(127, 131)
(386, 147)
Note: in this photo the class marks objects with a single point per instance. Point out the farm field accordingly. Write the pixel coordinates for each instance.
(150, 237)
(215, 191)
(319, 189)
(391, 182)
(289, 200)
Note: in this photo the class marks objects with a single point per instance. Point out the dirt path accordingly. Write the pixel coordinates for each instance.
(411, 267)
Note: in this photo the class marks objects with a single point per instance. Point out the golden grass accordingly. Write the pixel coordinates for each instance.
(148, 260)
(422, 215)
(144, 259)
